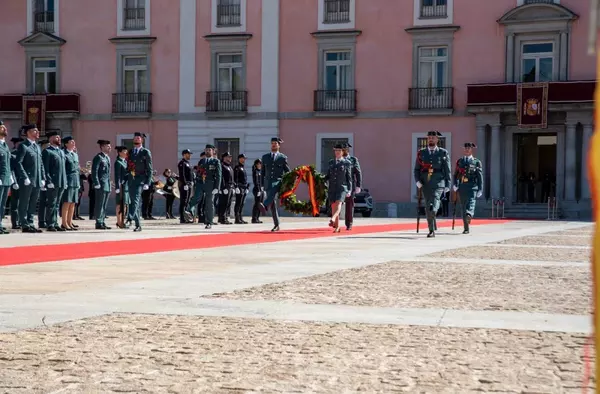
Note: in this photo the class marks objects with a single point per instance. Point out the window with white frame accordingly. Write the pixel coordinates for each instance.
(43, 16)
(338, 71)
(229, 13)
(230, 71)
(537, 62)
(44, 75)
(231, 145)
(433, 67)
(434, 9)
(336, 11)
(135, 74)
(134, 15)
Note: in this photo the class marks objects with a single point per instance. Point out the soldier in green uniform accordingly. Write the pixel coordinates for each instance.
(140, 176)
(432, 173)
(274, 167)
(355, 187)
(71, 194)
(210, 178)
(31, 177)
(468, 182)
(101, 182)
(121, 185)
(42, 200)
(56, 180)
(14, 194)
(6, 174)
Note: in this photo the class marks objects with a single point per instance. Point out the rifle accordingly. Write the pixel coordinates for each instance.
(456, 198)
(419, 201)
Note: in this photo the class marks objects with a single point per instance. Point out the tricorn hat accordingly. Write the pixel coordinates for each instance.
(209, 146)
(470, 145)
(51, 134)
(338, 146)
(67, 139)
(277, 139)
(138, 134)
(103, 142)
(186, 152)
(226, 154)
(28, 127)
(434, 133)
(241, 156)
(14, 140)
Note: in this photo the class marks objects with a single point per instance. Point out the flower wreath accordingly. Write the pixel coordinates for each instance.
(316, 189)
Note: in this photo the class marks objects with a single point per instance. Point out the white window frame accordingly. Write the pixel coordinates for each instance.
(121, 32)
(521, 2)
(414, 145)
(30, 21)
(335, 26)
(230, 66)
(536, 57)
(44, 70)
(418, 21)
(215, 29)
(145, 141)
(337, 64)
(135, 69)
(324, 136)
(434, 60)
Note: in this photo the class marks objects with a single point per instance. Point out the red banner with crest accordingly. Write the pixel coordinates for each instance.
(532, 105)
(34, 111)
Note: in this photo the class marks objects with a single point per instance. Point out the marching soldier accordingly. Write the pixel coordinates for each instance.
(468, 182)
(339, 181)
(241, 188)
(211, 172)
(140, 176)
(6, 174)
(196, 204)
(227, 188)
(14, 194)
(121, 186)
(56, 180)
(432, 174)
(186, 184)
(30, 175)
(72, 192)
(101, 180)
(356, 184)
(275, 166)
(43, 201)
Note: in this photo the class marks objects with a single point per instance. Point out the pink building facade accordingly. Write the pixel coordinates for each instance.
(377, 74)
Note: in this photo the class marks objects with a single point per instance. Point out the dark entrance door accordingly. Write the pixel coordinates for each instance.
(535, 167)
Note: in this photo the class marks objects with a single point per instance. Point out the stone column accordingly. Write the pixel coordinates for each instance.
(510, 58)
(564, 55)
(588, 130)
(481, 149)
(570, 162)
(495, 163)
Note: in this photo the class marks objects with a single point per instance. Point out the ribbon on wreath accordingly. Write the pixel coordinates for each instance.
(131, 167)
(304, 174)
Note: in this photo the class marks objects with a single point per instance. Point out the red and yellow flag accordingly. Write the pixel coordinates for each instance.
(594, 175)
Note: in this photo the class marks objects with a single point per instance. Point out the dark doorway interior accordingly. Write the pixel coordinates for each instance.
(535, 167)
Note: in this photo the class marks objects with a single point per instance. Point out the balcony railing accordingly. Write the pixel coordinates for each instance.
(43, 22)
(434, 11)
(538, 2)
(430, 98)
(134, 18)
(335, 101)
(236, 101)
(337, 11)
(132, 103)
(229, 15)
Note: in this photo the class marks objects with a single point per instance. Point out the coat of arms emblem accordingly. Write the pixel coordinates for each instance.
(532, 107)
(33, 115)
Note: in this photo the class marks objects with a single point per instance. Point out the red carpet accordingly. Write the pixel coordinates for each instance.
(87, 250)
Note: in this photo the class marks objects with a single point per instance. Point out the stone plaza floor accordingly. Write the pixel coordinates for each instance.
(505, 309)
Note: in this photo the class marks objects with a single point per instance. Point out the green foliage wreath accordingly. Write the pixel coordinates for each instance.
(289, 184)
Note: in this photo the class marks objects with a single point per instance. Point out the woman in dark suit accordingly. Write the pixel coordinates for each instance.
(170, 181)
(339, 179)
(70, 196)
(257, 190)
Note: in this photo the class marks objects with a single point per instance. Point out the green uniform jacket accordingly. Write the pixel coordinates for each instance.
(13, 163)
(121, 175)
(468, 173)
(274, 170)
(143, 164)
(433, 169)
(29, 164)
(5, 171)
(54, 167)
(356, 172)
(101, 172)
(212, 169)
(72, 169)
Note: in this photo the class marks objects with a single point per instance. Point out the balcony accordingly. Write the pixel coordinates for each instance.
(337, 11)
(132, 105)
(229, 15)
(538, 2)
(225, 104)
(431, 101)
(134, 18)
(341, 102)
(43, 22)
(434, 11)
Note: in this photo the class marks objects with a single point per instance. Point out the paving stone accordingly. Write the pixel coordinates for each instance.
(518, 253)
(583, 240)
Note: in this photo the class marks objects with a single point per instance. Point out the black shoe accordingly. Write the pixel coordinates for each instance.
(29, 230)
(61, 229)
(4, 231)
(99, 227)
(243, 221)
(16, 227)
(431, 234)
(349, 227)
(256, 221)
(151, 217)
(208, 226)
(137, 229)
(276, 228)
(466, 232)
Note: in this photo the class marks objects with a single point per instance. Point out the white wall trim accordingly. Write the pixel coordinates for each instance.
(521, 2)
(335, 26)
(448, 20)
(131, 33)
(415, 137)
(56, 17)
(322, 136)
(121, 137)
(187, 57)
(228, 29)
(269, 73)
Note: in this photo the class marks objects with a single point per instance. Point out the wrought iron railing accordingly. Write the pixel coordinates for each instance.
(43, 21)
(434, 11)
(234, 101)
(134, 18)
(337, 11)
(131, 103)
(430, 98)
(538, 2)
(335, 101)
(229, 15)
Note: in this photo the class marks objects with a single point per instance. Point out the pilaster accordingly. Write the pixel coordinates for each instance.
(588, 130)
(495, 161)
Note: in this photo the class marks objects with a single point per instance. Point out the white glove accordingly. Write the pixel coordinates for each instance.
(215, 191)
(225, 191)
(446, 189)
(237, 191)
(145, 187)
(419, 185)
(357, 190)
(51, 186)
(479, 194)
(12, 180)
(117, 191)
(264, 194)
(27, 182)
(43, 183)
(186, 188)
(0, 183)
(97, 187)
(66, 187)
(455, 188)
(16, 186)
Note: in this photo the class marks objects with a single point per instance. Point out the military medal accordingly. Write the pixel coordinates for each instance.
(430, 171)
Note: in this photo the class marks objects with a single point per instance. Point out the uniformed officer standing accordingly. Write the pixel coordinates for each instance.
(468, 182)
(241, 188)
(258, 190)
(71, 194)
(43, 201)
(227, 188)
(356, 186)
(30, 174)
(432, 173)
(274, 167)
(122, 188)
(140, 176)
(211, 173)
(101, 180)
(56, 180)
(14, 194)
(339, 183)
(6, 174)
(186, 184)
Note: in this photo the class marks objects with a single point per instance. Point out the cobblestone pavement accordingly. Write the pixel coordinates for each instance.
(519, 253)
(570, 240)
(587, 230)
(176, 354)
(429, 285)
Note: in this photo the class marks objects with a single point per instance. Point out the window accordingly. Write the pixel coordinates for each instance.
(537, 62)
(337, 11)
(127, 140)
(135, 74)
(43, 16)
(434, 8)
(229, 13)
(231, 145)
(327, 145)
(337, 95)
(337, 70)
(230, 69)
(433, 67)
(134, 15)
(44, 75)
